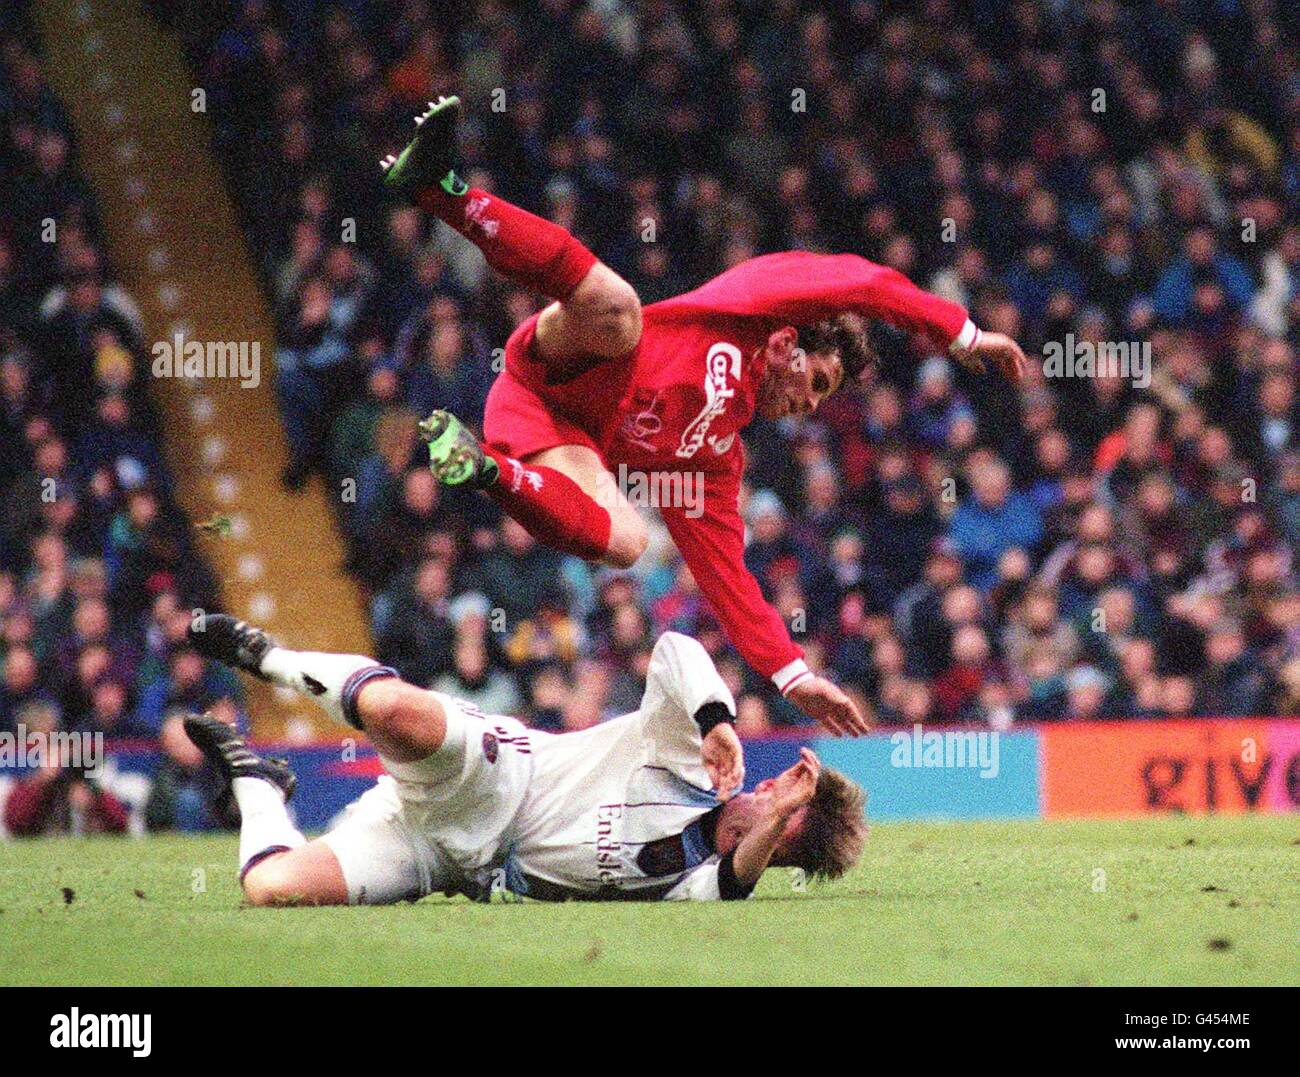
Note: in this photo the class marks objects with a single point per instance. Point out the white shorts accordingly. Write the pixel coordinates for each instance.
(440, 823)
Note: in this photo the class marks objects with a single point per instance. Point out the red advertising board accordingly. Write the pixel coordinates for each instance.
(1224, 765)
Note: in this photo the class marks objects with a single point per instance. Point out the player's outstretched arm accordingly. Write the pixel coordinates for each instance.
(800, 287)
(713, 545)
(790, 792)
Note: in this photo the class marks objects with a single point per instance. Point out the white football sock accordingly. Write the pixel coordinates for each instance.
(265, 821)
(316, 674)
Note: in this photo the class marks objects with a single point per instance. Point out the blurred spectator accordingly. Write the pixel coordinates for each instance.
(186, 790)
(56, 797)
(991, 521)
(473, 678)
(97, 567)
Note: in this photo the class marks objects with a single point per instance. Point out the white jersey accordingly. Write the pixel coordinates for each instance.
(622, 810)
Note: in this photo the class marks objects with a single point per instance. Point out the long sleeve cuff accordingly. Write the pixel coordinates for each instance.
(790, 674)
(966, 338)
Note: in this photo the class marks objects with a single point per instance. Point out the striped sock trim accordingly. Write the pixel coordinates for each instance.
(353, 685)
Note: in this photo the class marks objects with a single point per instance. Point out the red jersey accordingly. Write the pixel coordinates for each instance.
(678, 402)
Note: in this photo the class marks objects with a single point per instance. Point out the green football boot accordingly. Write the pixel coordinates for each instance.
(455, 456)
(430, 155)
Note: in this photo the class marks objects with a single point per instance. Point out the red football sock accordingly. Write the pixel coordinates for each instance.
(523, 247)
(551, 507)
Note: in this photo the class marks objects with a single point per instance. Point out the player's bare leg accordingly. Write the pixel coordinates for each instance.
(628, 535)
(601, 319)
(404, 723)
(308, 875)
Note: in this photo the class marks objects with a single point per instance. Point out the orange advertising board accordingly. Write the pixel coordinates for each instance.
(1222, 765)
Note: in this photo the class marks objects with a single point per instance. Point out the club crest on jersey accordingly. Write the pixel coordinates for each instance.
(721, 376)
(490, 747)
(642, 428)
(476, 213)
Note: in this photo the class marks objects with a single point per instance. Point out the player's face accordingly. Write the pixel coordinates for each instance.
(795, 382)
(746, 811)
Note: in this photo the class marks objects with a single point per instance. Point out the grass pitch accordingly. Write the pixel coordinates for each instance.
(1151, 901)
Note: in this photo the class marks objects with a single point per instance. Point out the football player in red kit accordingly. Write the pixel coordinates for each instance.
(596, 384)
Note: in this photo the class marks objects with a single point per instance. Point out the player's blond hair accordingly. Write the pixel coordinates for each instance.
(834, 829)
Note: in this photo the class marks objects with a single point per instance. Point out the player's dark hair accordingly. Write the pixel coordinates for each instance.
(844, 335)
(834, 828)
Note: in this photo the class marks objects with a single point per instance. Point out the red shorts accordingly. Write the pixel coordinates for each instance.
(521, 420)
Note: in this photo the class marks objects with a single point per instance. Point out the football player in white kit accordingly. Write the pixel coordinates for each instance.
(641, 807)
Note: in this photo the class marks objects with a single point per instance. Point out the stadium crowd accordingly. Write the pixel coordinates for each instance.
(1114, 545)
(98, 574)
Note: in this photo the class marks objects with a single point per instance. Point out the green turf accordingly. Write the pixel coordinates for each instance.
(1185, 901)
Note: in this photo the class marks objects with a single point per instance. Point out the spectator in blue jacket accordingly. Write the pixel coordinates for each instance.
(993, 519)
(1202, 266)
(1038, 277)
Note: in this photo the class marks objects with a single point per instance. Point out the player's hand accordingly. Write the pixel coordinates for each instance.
(996, 348)
(724, 760)
(820, 699)
(794, 788)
